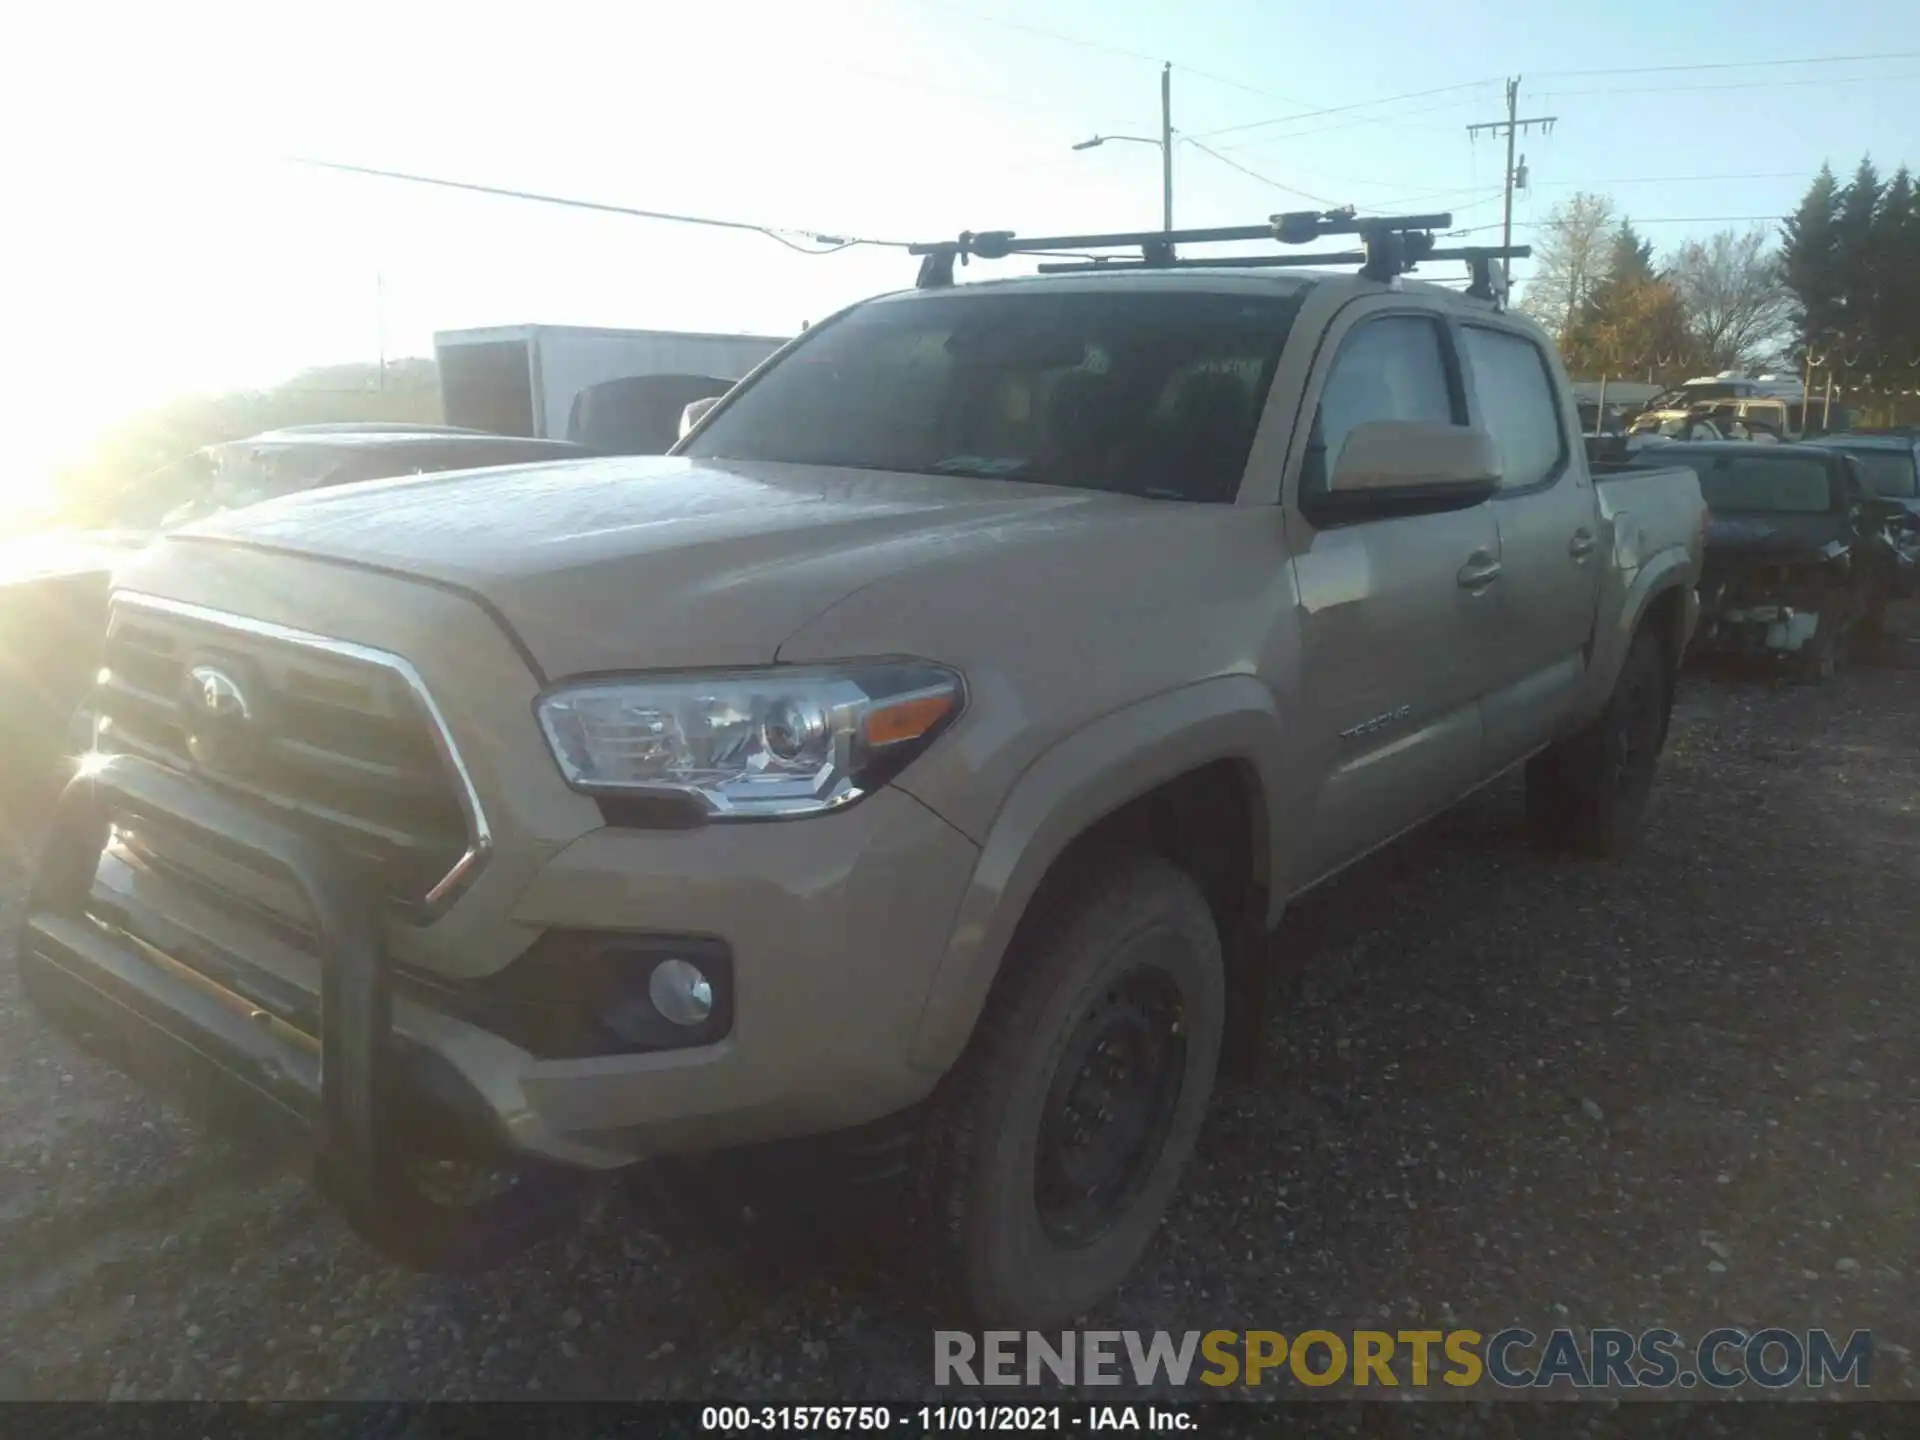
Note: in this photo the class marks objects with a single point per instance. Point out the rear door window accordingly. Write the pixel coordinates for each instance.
(1518, 406)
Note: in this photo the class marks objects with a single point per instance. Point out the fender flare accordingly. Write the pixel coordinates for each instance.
(1082, 779)
(1664, 572)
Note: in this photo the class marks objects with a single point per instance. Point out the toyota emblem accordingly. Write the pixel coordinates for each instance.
(219, 719)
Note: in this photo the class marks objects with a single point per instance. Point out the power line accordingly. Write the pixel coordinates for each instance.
(1255, 174)
(978, 97)
(1743, 85)
(1108, 47)
(1738, 64)
(1399, 119)
(785, 235)
(1673, 179)
(1482, 196)
(1343, 109)
(1637, 220)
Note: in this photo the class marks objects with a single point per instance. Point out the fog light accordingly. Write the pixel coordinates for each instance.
(680, 992)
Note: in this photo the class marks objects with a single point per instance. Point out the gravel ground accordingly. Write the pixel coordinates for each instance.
(1682, 1090)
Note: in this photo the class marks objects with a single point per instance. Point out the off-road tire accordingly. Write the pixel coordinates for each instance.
(1133, 920)
(1586, 793)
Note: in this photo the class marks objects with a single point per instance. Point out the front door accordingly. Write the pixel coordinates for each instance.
(1395, 614)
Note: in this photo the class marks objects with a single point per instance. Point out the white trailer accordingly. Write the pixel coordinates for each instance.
(557, 381)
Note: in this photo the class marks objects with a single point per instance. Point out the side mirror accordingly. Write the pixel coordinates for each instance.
(695, 413)
(1409, 466)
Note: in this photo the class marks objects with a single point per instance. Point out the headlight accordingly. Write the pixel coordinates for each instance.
(750, 744)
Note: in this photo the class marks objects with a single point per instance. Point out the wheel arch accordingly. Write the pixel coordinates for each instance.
(1661, 596)
(1188, 774)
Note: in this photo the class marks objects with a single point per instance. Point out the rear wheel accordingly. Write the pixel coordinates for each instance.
(1057, 1143)
(1587, 792)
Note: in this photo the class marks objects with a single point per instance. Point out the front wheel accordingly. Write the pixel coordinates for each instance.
(1587, 792)
(1059, 1139)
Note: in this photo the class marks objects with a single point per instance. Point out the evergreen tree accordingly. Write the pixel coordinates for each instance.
(1630, 320)
(1629, 265)
(1631, 259)
(1896, 271)
(1854, 257)
(1808, 248)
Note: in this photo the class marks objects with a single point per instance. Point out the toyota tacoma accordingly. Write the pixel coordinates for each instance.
(926, 749)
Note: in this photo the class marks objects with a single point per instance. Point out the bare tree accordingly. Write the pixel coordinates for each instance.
(1569, 259)
(1739, 309)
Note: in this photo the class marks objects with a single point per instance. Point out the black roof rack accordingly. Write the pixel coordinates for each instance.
(1394, 244)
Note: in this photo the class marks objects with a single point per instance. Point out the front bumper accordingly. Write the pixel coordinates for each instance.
(834, 928)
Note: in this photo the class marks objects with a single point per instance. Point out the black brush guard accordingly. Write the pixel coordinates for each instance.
(349, 1097)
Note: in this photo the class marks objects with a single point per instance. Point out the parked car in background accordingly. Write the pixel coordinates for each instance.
(1890, 467)
(1659, 432)
(1799, 555)
(915, 763)
(1776, 406)
(53, 596)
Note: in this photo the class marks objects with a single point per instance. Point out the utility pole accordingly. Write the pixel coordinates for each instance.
(1166, 146)
(1512, 125)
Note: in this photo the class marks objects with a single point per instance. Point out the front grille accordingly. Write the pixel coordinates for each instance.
(341, 742)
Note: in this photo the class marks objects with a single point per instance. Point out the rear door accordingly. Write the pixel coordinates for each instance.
(1395, 613)
(1549, 540)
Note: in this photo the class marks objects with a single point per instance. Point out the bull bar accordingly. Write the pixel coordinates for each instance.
(344, 1096)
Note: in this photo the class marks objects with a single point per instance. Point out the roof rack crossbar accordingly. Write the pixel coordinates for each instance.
(1394, 242)
(1485, 279)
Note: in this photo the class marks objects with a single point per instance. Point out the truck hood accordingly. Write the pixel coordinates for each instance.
(657, 562)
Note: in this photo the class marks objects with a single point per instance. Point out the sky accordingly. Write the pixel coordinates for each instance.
(162, 241)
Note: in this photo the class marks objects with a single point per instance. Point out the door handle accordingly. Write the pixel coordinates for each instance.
(1480, 571)
(1582, 543)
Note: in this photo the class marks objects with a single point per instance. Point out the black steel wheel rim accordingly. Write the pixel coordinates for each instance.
(1110, 1105)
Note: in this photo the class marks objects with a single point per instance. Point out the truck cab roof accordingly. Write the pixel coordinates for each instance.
(1192, 279)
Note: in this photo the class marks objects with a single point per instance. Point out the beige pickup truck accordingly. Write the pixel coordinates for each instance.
(920, 756)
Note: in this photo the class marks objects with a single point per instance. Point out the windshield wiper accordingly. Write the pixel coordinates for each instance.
(981, 467)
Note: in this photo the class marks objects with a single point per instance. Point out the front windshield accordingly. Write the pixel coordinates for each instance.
(1757, 484)
(1142, 392)
(1890, 474)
